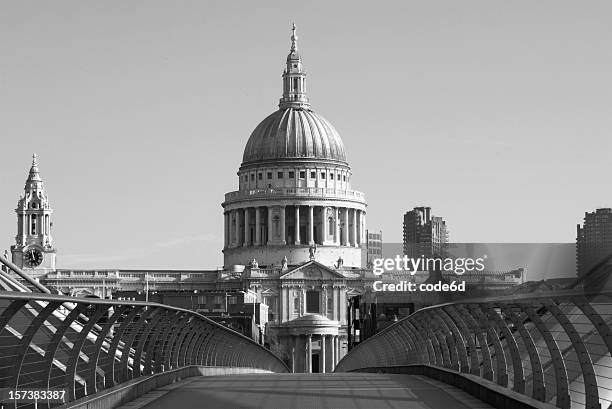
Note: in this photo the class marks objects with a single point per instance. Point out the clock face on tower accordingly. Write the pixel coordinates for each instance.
(33, 257)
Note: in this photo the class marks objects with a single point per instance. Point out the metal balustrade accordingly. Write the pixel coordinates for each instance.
(86, 345)
(11, 275)
(554, 347)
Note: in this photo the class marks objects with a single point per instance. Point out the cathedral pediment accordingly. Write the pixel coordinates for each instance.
(312, 271)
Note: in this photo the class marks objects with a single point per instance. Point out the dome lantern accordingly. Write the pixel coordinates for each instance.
(294, 79)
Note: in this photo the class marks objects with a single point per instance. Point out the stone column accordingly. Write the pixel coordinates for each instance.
(342, 302)
(311, 225)
(337, 348)
(363, 226)
(332, 361)
(226, 229)
(257, 226)
(323, 354)
(336, 226)
(270, 235)
(325, 224)
(237, 213)
(355, 241)
(346, 227)
(335, 292)
(247, 236)
(282, 225)
(293, 348)
(309, 356)
(231, 231)
(358, 238)
(297, 224)
(286, 313)
(24, 223)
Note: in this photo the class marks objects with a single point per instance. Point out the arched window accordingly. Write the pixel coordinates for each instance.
(276, 224)
(33, 224)
(331, 225)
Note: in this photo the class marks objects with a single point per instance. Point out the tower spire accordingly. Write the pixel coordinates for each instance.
(34, 180)
(294, 78)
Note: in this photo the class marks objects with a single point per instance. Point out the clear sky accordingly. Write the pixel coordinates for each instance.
(496, 114)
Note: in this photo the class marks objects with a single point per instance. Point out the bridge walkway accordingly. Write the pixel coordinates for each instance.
(336, 390)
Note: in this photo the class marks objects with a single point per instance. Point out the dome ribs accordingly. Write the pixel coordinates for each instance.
(306, 137)
(294, 134)
(267, 141)
(337, 146)
(295, 137)
(322, 138)
(282, 129)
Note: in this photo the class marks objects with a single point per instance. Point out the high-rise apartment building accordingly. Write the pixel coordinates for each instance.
(593, 239)
(424, 234)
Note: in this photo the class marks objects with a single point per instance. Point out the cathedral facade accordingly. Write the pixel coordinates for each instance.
(298, 226)
(294, 232)
(294, 241)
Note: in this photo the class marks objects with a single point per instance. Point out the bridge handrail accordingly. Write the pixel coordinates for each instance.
(554, 346)
(86, 345)
(10, 266)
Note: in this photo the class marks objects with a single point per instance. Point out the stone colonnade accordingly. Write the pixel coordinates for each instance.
(294, 224)
(328, 352)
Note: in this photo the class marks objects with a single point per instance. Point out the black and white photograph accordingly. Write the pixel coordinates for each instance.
(275, 204)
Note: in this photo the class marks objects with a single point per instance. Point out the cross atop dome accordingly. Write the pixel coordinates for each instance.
(294, 39)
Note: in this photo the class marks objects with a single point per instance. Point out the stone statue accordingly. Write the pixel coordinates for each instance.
(6, 255)
(340, 262)
(284, 263)
(313, 251)
(254, 264)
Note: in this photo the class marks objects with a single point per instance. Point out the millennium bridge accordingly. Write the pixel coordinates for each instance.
(539, 350)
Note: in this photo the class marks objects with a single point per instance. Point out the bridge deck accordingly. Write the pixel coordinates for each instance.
(343, 390)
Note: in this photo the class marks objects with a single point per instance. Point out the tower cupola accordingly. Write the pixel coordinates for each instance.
(294, 79)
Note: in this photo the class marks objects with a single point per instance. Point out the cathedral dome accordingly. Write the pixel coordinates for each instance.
(294, 133)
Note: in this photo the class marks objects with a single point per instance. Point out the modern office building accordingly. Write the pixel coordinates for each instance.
(374, 246)
(424, 234)
(593, 240)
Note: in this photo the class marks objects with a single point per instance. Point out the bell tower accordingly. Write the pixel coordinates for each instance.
(33, 250)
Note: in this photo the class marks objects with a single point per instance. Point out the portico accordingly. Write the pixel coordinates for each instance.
(314, 343)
